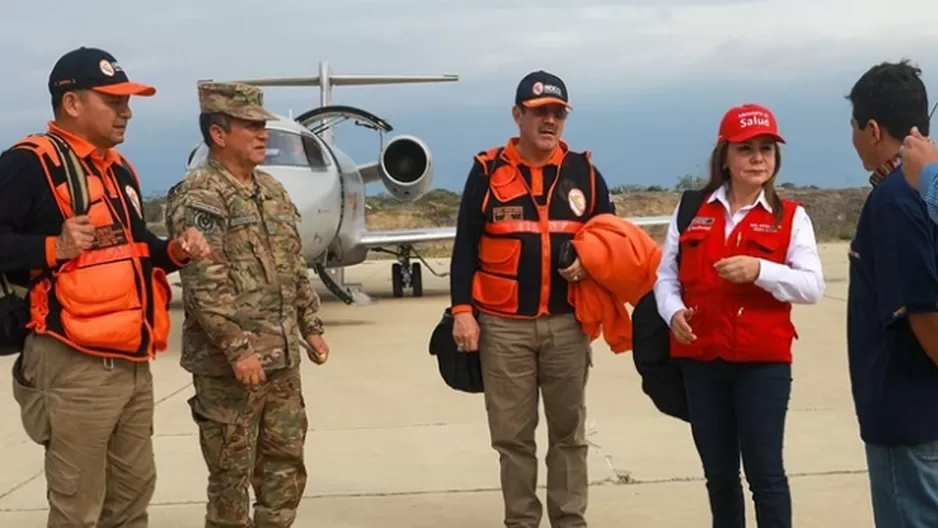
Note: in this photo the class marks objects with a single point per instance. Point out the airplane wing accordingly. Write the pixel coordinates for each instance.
(407, 236)
(437, 234)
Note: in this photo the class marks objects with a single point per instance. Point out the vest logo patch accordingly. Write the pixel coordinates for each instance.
(700, 223)
(507, 212)
(577, 201)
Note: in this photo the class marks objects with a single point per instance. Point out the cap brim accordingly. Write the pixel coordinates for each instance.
(746, 136)
(252, 114)
(542, 101)
(127, 88)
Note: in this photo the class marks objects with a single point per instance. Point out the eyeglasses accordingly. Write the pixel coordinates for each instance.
(558, 112)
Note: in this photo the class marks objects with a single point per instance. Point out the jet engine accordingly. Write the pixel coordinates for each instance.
(406, 168)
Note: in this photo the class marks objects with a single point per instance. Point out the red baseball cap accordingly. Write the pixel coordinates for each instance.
(744, 122)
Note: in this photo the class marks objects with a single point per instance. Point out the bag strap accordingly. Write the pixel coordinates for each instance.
(75, 175)
(77, 182)
(690, 203)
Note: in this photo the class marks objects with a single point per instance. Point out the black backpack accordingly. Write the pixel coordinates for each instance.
(14, 299)
(461, 371)
(662, 380)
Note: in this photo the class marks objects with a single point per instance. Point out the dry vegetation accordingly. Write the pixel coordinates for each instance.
(833, 211)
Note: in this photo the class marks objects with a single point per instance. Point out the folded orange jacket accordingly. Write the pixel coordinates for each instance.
(621, 262)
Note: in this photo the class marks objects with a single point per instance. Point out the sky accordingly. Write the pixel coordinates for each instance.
(649, 80)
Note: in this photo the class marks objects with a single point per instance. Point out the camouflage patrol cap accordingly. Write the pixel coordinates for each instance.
(238, 100)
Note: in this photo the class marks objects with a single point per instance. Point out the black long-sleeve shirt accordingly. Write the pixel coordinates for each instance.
(470, 223)
(30, 218)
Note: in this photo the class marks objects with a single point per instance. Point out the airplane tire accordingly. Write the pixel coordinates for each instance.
(416, 279)
(397, 280)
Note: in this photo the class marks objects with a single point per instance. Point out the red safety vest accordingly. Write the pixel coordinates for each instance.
(735, 322)
(518, 251)
(103, 302)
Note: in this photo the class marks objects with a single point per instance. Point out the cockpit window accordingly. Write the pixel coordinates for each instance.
(294, 150)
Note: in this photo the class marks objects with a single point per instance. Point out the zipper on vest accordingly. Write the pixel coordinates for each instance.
(260, 211)
(739, 313)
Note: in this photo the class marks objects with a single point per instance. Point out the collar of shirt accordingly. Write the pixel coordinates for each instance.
(83, 148)
(891, 166)
(510, 153)
(246, 190)
(733, 219)
(720, 196)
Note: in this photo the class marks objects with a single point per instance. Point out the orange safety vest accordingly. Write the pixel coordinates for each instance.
(518, 250)
(109, 301)
(735, 322)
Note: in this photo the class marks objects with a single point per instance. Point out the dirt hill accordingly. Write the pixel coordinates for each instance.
(833, 211)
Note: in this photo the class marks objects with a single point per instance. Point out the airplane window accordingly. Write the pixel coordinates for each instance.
(285, 148)
(294, 150)
(314, 153)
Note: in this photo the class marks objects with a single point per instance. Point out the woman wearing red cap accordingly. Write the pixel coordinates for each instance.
(746, 256)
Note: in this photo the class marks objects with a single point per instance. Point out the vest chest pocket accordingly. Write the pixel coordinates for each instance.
(693, 256)
(507, 184)
(762, 244)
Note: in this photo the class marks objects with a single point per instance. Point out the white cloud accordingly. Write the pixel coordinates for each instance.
(601, 47)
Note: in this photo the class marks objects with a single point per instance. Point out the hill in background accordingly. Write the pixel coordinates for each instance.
(834, 212)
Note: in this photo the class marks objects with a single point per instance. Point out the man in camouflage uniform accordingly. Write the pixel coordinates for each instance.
(249, 309)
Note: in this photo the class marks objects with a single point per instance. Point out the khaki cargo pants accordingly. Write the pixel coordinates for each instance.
(95, 419)
(518, 357)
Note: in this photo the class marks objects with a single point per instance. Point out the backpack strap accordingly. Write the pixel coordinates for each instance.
(77, 182)
(690, 203)
(75, 175)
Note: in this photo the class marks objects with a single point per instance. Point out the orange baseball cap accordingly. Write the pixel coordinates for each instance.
(744, 122)
(93, 69)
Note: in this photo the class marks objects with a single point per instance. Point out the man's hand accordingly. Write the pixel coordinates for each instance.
(192, 245)
(77, 236)
(318, 349)
(680, 325)
(917, 151)
(574, 273)
(466, 332)
(249, 371)
(739, 269)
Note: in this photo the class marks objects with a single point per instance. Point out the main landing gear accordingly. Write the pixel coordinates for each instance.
(407, 274)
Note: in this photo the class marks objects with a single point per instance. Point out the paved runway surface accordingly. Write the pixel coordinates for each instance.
(391, 446)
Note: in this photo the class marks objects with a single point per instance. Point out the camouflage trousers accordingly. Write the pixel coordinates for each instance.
(252, 435)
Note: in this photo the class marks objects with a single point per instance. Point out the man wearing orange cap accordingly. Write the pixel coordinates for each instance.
(73, 233)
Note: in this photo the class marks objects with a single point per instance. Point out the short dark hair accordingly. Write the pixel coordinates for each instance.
(206, 120)
(893, 95)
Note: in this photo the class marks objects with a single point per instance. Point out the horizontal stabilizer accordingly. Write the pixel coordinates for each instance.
(350, 80)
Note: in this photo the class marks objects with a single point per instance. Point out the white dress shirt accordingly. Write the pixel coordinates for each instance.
(800, 281)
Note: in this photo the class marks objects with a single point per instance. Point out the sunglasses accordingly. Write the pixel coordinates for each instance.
(558, 112)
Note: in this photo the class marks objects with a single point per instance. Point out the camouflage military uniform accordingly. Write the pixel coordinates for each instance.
(251, 296)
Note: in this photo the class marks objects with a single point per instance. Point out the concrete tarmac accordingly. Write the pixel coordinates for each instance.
(390, 445)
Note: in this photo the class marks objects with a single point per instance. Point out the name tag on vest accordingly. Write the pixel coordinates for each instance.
(764, 228)
(108, 236)
(507, 212)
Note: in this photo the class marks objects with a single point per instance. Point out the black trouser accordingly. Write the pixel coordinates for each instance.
(740, 408)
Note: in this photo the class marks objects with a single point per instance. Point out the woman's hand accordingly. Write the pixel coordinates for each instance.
(681, 327)
(739, 269)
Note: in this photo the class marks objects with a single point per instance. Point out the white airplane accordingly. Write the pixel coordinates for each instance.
(327, 186)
